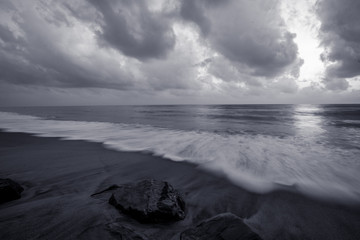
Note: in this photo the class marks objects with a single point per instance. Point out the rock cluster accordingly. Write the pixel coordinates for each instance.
(153, 201)
(149, 201)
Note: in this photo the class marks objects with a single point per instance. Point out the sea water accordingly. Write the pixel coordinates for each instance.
(313, 149)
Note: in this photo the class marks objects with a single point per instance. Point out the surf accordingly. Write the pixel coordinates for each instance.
(258, 163)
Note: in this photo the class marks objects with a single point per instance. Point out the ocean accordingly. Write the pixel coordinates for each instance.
(312, 149)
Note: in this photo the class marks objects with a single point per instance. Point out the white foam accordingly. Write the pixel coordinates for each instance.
(259, 163)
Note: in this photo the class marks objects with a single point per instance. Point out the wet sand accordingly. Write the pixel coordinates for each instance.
(59, 178)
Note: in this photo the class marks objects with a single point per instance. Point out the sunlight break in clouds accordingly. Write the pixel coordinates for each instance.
(300, 18)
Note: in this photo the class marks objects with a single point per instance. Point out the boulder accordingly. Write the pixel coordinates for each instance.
(149, 201)
(225, 226)
(9, 190)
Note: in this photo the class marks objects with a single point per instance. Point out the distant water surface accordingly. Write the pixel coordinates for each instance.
(312, 148)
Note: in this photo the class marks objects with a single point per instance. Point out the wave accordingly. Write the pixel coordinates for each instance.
(258, 163)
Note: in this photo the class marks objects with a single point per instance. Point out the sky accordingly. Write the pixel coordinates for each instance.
(111, 52)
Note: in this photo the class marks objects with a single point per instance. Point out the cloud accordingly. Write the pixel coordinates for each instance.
(6, 35)
(58, 44)
(133, 29)
(176, 51)
(340, 36)
(336, 84)
(194, 11)
(285, 85)
(55, 51)
(52, 47)
(251, 34)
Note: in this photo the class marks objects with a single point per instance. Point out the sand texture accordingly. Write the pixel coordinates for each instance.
(59, 178)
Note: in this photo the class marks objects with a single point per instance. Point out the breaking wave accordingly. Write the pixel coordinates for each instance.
(259, 163)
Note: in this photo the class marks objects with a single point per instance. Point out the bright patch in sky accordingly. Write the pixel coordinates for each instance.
(300, 18)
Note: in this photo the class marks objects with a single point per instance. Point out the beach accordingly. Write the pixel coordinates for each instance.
(180, 120)
(59, 178)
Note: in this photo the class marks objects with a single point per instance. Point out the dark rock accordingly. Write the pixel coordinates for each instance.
(125, 233)
(225, 226)
(149, 201)
(9, 190)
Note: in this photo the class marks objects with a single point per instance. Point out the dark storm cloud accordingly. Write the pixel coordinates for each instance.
(47, 46)
(61, 44)
(266, 58)
(336, 84)
(131, 28)
(340, 34)
(6, 35)
(250, 33)
(6, 5)
(35, 57)
(194, 11)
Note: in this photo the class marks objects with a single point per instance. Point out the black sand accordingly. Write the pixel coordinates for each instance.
(59, 178)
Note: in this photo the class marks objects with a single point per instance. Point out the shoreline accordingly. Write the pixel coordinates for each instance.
(60, 175)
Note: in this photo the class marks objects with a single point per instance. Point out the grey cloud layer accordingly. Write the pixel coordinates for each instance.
(138, 48)
(340, 33)
(251, 33)
(131, 28)
(35, 58)
(32, 52)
